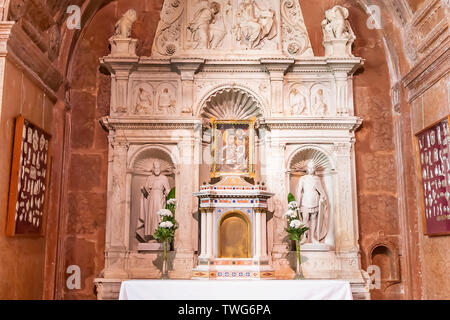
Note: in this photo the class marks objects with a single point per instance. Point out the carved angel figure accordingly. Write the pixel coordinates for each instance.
(200, 26)
(124, 25)
(254, 24)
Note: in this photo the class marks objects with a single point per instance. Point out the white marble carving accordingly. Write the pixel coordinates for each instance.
(313, 203)
(121, 42)
(298, 102)
(154, 193)
(295, 36)
(168, 34)
(319, 105)
(144, 100)
(303, 108)
(234, 26)
(166, 99)
(206, 33)
(124, 25)
(255, 24)
(338, 33)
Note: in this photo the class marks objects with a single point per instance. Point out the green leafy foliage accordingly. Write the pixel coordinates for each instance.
(295, 234)
(291, 198)
(168, 234)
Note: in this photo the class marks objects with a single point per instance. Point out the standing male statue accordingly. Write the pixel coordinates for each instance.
(154, 193)
(313, 204)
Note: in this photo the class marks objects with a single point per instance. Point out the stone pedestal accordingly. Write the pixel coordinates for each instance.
(123, 47)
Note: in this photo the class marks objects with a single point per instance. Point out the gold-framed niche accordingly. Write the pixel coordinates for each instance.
(235, 235)
(233, 148)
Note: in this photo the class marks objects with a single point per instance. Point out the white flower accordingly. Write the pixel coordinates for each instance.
(172, 201)
(291, 214)
(293, 205)
(165, 213)
(296, 224)
(166, 225)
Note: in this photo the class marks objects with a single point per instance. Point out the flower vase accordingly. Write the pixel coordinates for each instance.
(164, 273)
(299, 272)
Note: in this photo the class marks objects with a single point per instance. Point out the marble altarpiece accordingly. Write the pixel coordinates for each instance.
(229, 61)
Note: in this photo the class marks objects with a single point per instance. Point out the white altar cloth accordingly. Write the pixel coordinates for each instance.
(235, 290)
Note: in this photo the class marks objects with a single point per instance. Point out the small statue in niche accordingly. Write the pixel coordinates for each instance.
(154, 194)
(319, 107)
(254, 24)
(144, 101)
(298, 103)
(313, 204)
(124, 25)
(229, 152)
(241, 156)
(165, 102)
(200, 27)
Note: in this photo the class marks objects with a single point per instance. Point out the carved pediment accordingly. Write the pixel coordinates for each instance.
(231, 28)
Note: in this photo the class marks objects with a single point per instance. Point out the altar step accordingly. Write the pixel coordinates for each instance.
(233, 269)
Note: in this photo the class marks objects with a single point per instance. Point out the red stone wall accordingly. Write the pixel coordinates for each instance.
(22, 259)
(85, 206)
(375, 151)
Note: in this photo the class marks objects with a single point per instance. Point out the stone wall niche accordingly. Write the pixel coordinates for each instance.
(141, 168)
(326, 173)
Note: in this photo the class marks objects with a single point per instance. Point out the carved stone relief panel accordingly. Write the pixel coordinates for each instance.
(154, 98)
(143, 99)
(309, 100)
(166, 102)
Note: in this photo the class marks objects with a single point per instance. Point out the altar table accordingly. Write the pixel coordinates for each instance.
(235, 290)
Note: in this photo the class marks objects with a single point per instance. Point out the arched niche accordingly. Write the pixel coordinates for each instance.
(139, 169)
(227, 103)
(384, 254)
(234, 236)
(297, 163)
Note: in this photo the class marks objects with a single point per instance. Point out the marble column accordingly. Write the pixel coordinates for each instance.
(184, 195)
(277, 70)
(187, 69)
(341, 78)
(204, 252)
(120, 69)
(116, 237)
(210, 234)
(347, 211)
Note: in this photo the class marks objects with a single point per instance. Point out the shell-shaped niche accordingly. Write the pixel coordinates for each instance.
(143, 164)
(231, 104)
(301, 159)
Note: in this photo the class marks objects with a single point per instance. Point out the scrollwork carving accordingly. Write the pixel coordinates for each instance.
(295, 36)
(167, 39)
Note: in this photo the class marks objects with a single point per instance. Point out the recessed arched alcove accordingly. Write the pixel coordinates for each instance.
(140, 168)
(325, 169)
(234, 236)
(231, 103)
